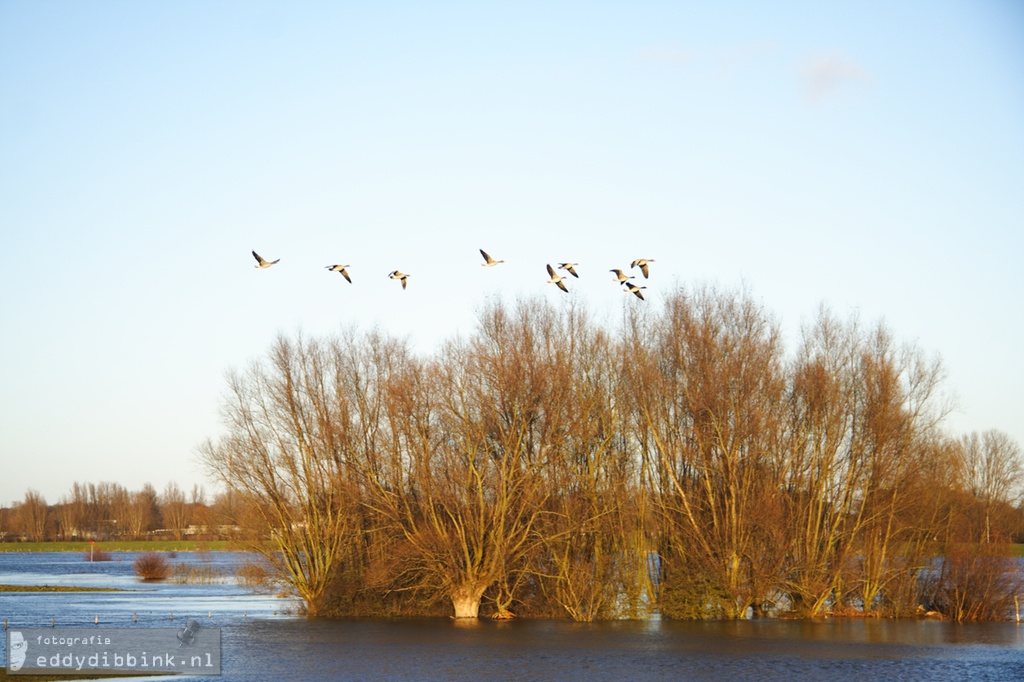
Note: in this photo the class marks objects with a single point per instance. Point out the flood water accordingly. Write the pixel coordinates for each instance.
(262, 639)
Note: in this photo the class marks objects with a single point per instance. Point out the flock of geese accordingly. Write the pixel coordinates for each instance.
(554, 278)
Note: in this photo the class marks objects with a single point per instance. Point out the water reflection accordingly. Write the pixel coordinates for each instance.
(260, 641)
(428, 649)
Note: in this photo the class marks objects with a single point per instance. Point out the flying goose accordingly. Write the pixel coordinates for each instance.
(341, 269)
(621, 276)
(642, 263)
(260, 263)
(399, 275)
(555, 279)
(569, 267)
(634, 289)
(488, 261)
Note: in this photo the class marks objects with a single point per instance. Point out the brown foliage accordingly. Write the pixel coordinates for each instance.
(976, 581)
(152, 567)
(545, 466)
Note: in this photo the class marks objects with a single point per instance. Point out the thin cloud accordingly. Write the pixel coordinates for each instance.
(823, 76)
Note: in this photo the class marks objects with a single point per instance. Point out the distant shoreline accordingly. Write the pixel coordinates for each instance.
(58, 588)
(125, 546)
(175, 546)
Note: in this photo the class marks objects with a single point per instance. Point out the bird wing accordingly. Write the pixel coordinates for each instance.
(486, 257)
(551, 271)
(345, 275)
(257, 257)
(643, 269)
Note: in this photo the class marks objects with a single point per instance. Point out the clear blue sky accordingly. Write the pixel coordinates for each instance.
(868, 155)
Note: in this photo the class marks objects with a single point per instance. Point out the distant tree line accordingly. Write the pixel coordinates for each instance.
(109, 511)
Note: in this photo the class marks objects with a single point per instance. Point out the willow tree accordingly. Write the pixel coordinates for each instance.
(286, 454)
(471, 436)
(708, 397)
(862, 413)
(593, 563)
(899, 417)
(826, 468)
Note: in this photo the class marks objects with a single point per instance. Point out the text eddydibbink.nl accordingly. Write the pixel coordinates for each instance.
(191, 650)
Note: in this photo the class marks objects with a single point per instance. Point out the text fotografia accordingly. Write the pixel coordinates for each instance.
(190, 650)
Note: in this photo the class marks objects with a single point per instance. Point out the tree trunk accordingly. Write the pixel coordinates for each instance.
(466, 600)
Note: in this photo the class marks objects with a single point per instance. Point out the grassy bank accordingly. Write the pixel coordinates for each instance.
(124, 546)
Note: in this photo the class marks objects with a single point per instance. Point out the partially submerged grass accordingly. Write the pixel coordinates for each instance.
(197, 574)
(254, 574)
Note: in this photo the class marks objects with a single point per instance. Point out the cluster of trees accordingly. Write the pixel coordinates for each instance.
(111, 511)
(683, 462)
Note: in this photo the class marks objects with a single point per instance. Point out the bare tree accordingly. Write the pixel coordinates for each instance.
(70, 516)
(200, 510)
(121, 510)
(82, 515)
(144, 512)
(286, 455)
(101, 504)
(135, 515)
(471, 435)
(897, 423)
(33, 516)
(978, 577)
(991, 469)
(823, 468)
(709, 402)
(594, 563)
(862, 412)
(174, 509)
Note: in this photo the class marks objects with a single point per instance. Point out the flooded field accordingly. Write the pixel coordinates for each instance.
(216, 596)
(262, 639)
